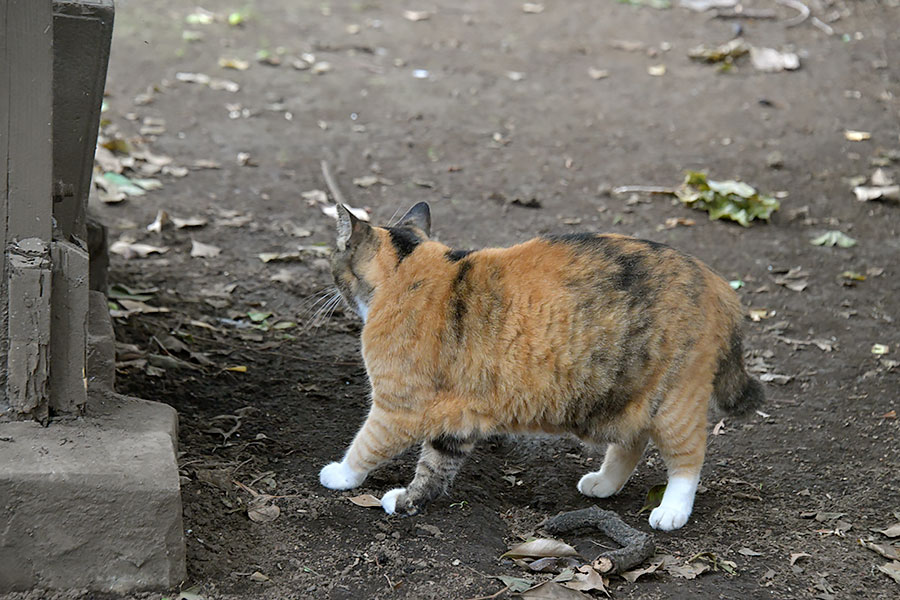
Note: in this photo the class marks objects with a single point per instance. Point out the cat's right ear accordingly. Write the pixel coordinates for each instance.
(349, 228)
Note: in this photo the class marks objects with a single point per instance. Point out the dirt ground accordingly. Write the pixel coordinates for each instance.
(507, 111)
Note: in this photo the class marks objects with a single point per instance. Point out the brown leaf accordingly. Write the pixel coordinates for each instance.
(416, 15)
(891, 569)
(539, 548)
(689, 570)
(201, 250)
(889, 552)
(553, 564)
(586, 580)
(366, 500)
(551, 590)
(655, 563)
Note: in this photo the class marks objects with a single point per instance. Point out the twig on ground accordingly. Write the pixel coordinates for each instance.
(802, 9)
(332, 184)
(637, 546)
(643, 189)
(492, 596)
(745, 14)
(818, 23)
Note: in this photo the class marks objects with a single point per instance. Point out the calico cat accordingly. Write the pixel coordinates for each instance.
(609, 338)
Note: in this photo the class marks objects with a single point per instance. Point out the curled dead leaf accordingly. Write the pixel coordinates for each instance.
(366, 500)
(539, 548)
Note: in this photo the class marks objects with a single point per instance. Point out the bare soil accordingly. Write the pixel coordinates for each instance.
(470, 140)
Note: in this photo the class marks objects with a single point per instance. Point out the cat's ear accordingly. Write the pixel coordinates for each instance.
(418, 216)
(349, 228)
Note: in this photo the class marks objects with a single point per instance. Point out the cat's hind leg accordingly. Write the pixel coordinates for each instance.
(680, 434)
(378, 440)
(439, 462)
(618, 464)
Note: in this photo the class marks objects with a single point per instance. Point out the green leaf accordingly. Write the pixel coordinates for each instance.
(123, 292)
(284, 325)
(515, 584)
(258, 317)
(833, 238)
(728, 199)
(736, 284)
(654, 497)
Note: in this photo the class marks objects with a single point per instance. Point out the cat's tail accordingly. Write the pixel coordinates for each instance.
(734, 390)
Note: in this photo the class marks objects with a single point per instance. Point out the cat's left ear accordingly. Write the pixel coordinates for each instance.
(418, 216)
(349, 228)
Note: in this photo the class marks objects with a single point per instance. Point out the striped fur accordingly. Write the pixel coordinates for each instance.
(613, 339)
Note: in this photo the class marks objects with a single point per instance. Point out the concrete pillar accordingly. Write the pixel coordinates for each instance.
(26, 82)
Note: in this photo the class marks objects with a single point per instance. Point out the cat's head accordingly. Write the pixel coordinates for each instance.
(363, 252)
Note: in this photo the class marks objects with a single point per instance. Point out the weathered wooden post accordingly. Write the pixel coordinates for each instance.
(89, 493)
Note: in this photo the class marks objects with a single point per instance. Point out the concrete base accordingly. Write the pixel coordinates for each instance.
(94, 502)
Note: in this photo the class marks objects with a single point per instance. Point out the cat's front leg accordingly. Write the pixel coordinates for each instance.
(438, 464)
(378, 440)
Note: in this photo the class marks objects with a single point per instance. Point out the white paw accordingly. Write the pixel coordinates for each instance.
(389, 500)
(598, 485)
(339, 476)
(668, 518)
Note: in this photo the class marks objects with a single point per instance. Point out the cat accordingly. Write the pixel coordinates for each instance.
(606, 337)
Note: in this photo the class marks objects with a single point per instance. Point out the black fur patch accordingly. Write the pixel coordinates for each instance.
(457, 255)
(457, 301)
(449, 445)
(404, 240)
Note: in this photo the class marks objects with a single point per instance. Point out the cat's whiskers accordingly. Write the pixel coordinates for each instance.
(327, 305)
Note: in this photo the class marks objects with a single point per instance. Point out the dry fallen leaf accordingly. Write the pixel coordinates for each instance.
(885, 550)
(758, 314)
(550, 590)
(130, 250)
(795, 556)
(673, 222)
(891, 569)
(258, 577)
(539, 548)
(656, 562)
(359, 213)
(892, 531)
(770, 60)
(314, 197)
(416, 15)
(162, 219)
(532, 8)
(866, 194)
(586, 580)
(366, 500)
(201, 250)
(367, 181)
(719, 428)
(656, 70)
(189, 222)
(856, 136)
(597, 73)
(234, 63)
